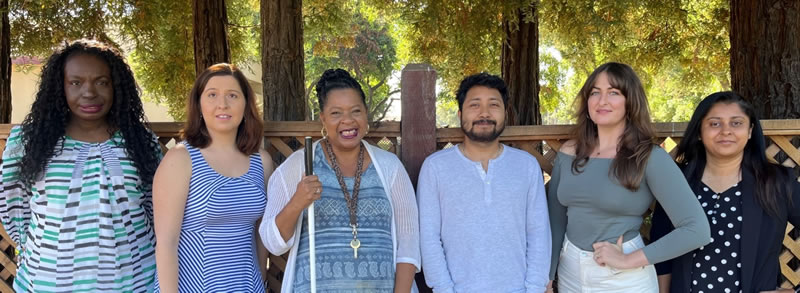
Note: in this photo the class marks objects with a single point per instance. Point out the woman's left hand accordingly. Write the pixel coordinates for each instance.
(610, 254)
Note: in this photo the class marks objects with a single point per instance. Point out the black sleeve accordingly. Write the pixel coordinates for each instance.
(661, 225)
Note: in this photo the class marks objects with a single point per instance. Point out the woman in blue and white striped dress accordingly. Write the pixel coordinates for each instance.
(209, 192)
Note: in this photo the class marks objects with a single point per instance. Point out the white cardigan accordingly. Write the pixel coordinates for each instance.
(283, 184)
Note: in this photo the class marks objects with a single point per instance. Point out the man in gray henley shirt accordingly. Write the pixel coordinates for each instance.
(484, 225)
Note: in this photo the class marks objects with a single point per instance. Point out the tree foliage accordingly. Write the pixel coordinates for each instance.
(457, 37)
(39, 26)
(163, 54)
(360, 43)
(678, 48)
(156, 35)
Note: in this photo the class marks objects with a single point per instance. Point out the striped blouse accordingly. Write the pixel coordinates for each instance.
(85, 225)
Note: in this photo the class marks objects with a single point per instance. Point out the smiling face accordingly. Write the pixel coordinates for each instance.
(344, 118)
(606, 103)
(88, 88)
(483, 114)
(222, 104)
(725, 130)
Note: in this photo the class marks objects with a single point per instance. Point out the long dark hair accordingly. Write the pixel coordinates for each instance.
(636, 142)
(772, 181)
(250, 130)
(44, 127)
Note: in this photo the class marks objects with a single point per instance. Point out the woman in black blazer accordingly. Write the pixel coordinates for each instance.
(747, 199)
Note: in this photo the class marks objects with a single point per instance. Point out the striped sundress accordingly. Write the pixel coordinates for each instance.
(216, 251)
(85, 225)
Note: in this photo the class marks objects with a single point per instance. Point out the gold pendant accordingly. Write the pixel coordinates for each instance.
(355, 244)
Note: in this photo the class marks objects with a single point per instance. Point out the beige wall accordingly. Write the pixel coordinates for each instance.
(23, 91)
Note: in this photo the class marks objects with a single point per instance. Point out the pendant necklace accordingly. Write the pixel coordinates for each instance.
(352, 201)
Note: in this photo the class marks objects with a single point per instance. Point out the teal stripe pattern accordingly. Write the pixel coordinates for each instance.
(85, 225)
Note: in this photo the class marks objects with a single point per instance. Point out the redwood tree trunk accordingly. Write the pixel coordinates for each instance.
(520, 69)
(765, 55)
(5, 64)
(210, 34)
(282, 60)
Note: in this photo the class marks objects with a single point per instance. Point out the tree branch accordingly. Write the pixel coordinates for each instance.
(386, 110)
(310, 116)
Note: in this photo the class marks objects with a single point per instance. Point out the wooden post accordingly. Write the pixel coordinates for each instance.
(418, 131)
(5, 64)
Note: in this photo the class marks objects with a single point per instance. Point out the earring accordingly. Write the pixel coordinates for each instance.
(324, 132)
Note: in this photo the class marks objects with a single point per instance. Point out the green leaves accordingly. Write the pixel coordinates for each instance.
(366, 49)
(680, 48)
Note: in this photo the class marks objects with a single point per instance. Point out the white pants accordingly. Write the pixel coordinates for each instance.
(579, 273)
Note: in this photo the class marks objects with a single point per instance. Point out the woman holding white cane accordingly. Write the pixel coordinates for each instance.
(367, 234)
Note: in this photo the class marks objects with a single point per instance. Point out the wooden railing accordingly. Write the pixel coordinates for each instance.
(282, 138)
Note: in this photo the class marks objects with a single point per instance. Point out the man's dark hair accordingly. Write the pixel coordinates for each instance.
(481, 79)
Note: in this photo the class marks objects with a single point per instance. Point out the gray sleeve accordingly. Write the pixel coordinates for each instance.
(669, 187)
(434, 263)
(558, 216)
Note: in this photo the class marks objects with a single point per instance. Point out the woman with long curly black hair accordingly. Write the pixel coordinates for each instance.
(77, 176)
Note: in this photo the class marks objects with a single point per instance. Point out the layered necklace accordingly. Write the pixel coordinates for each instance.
(352, 201)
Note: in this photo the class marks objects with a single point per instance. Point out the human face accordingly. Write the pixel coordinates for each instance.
(88, 88)
(725, 130)
(483, 114)
(222, 104)
(344, 118)
(606, 103)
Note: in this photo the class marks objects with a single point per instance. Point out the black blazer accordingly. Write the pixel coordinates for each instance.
(762, 238)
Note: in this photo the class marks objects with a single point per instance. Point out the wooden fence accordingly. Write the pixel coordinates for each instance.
(282, 138)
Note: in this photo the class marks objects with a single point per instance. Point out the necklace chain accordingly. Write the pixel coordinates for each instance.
(352, 201)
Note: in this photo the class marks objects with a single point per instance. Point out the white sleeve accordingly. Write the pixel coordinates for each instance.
(279, 192)
(406, 218)
(15, 211)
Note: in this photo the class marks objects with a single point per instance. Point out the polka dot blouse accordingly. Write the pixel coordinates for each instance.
(717, 265)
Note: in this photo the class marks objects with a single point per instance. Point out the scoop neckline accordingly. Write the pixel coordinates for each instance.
(111, 138)
(573, 156)
(249, 166)
(328, 165)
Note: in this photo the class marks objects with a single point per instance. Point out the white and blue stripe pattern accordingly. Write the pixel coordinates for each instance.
(216, 252)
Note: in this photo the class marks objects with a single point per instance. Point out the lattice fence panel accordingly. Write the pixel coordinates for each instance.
(282, 138)
(784, 150)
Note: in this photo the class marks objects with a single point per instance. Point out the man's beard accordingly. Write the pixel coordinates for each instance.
(483, 137)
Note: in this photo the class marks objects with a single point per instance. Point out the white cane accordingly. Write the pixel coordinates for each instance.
(312, 251)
